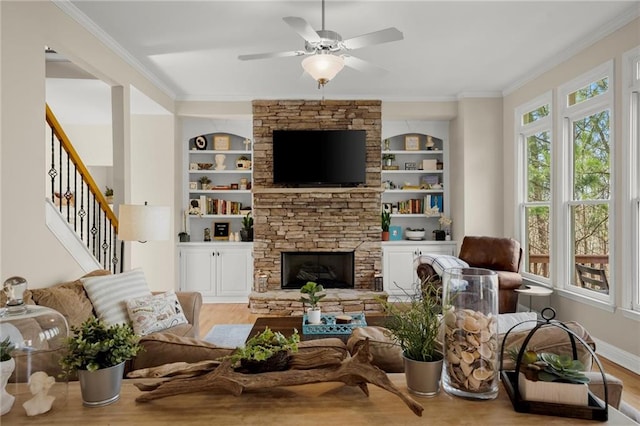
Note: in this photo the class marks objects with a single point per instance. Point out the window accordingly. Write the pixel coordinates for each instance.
(586, 110)
(631, 126)
(534, 138)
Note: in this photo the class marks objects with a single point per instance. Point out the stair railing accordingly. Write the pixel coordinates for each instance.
(79, 200)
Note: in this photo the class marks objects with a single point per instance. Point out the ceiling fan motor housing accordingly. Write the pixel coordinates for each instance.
(329, 41)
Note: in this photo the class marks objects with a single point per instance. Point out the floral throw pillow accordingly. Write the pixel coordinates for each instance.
(155, 313)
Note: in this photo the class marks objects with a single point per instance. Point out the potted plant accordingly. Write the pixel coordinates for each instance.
(108, 194)
(548, 377)
(7, 365)
(246, 233)
(445, 223)
(385, 218)
(415, 326)
(311, 289)
(204, 182)
(98, 353)
(388, 159)
(267, 351)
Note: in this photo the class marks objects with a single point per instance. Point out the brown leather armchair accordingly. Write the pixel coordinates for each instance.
(502, 255)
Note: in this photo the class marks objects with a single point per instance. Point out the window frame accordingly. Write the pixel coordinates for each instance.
(631, 181)
(566, 116)
(522, 132)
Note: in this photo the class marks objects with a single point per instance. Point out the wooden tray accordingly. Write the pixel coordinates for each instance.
(595, 410)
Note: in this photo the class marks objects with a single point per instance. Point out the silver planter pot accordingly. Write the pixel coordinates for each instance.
(101, 387)
(423, 378)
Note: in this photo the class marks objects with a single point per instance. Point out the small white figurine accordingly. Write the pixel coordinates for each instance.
(39, 385)
(247, 144)
(220, 161)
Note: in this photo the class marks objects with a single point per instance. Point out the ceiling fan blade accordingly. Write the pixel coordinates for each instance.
(303, 28)
(376, 37)
(362, 65)
(271, 55)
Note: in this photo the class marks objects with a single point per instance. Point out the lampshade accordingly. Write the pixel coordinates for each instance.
(323, 66)
(143, 223)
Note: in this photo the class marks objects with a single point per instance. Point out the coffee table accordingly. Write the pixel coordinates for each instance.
(312, 404)
(286, 325)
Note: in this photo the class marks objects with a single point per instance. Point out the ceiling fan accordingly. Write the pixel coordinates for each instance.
(326, 51)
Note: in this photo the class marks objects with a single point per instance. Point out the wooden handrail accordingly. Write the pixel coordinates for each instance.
(80, 167)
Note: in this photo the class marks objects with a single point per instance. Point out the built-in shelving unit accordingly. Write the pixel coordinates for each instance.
(227, 197)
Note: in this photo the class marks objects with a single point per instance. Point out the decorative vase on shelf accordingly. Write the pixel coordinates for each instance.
(470, 296)
(440, 235)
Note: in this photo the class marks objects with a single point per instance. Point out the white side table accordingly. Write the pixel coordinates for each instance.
(534, 291)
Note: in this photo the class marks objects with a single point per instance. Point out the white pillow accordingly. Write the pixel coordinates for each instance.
(109, 294)
(506, 321)
(155, 313)
(440, 262)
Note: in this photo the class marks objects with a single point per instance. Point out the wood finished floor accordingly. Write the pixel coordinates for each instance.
(232, 313)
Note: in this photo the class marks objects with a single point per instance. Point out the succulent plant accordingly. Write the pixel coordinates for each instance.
(549, 367)
(5, 349)
(264, 345)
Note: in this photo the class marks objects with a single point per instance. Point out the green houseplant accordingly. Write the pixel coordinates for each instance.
(388, 159)
(108, 193)
(312, 298)
(7, 365)
(97, 352)
(267, 351)
(204, 182)
(246, 233)
(385, 222)
(415, 325)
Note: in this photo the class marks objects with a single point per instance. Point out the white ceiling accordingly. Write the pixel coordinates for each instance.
(450, 48)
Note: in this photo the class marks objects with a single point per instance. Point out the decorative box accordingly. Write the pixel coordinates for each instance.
(329, 326)
(594, 409)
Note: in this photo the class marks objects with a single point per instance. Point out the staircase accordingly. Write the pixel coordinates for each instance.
(77, 212)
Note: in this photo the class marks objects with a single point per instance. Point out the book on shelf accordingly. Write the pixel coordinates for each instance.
(218, 206)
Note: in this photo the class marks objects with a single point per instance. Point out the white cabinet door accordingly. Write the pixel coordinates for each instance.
(399, 272)
(234, 276)
(197, 274)
(220, 272)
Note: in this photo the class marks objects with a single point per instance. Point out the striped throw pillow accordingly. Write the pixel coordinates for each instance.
(109, 294)
(440, 262)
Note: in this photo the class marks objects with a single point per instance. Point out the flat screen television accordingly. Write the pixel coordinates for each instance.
(319, 157)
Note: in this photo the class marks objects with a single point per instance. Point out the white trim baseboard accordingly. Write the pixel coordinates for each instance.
(623, 358)
(69, 239)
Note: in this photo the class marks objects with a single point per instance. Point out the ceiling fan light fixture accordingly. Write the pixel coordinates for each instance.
(323, 67)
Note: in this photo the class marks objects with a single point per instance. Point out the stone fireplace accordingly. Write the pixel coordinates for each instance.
(288, 220)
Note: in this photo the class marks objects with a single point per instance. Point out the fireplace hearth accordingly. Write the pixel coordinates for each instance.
(331, 269)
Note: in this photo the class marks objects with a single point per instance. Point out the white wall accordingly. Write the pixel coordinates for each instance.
(27, 247)
(612, 328)
(92, 142)
(152, 146)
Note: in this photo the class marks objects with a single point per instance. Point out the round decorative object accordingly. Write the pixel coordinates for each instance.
(415, 235)
(201, 142)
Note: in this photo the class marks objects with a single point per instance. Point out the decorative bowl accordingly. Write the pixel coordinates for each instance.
(204, 166)
(415, 234)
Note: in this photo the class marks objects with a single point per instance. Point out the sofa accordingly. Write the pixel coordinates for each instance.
(71, 300)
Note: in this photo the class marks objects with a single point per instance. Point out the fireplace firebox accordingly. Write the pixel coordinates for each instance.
(331, 269)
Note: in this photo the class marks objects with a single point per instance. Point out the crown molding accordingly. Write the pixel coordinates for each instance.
(67, 7)
(615, 24)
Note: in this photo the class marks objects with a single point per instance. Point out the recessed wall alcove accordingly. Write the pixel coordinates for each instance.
(316, 219)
